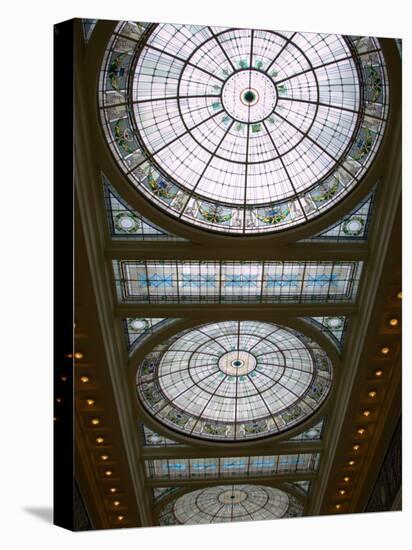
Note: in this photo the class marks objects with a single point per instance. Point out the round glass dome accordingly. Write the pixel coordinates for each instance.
(234, 380)
(230, 503)
(242, 131)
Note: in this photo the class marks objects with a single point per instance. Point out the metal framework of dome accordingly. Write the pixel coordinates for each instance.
(242, 131)
(234, 380)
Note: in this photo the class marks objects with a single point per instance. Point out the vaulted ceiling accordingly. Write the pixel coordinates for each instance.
(319, 290)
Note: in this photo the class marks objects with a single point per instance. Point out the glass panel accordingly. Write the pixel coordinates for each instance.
(333, 327)
(231, 503)
(189, 468)
(234, 380)
(242, 131)
(138, 329)
(153, 439)
(125, 223)
(352, 227)
(182, 282)
(312, 434)
(160, 492)
(88, 28)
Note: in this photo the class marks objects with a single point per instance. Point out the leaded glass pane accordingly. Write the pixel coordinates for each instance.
(254, 466)
(234, 380)
(237, 281)
(231, 503)
(242, 131)
(352, 227)
(125, 223)
(332, 327)
(88, 27)
(154, 439)
(311, 434)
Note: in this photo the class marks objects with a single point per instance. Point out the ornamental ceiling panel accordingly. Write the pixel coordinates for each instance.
(242, 131)
(234, 380)
(236, 281)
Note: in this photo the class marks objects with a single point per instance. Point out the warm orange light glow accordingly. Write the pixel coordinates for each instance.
(78, 355)
(104, 457)
(116, 503)
(120, 518)
(393, 322)
(385, 350)
(366, 412)
(361, 431)
(84, 379)
(372, 393)
(342, 491)
(108, 473)
(399, 295)
(337, 506)
(378, 372)
(346, 479)
(90, 401)
(356, 447)
(113, 489)
(95, 421)
(351, 462)
(99, 440)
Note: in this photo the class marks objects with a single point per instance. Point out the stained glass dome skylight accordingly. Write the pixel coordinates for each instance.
(242, 131)
(234, 380)
(230, 503)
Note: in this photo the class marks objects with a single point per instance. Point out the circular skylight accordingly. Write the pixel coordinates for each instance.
(242, 131)
(230, 503)
(234, 380)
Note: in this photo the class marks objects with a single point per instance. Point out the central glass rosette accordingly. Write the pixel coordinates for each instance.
(237, 363)
(234, 380)
(249, 96)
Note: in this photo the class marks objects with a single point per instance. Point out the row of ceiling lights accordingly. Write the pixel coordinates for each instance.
(94, 422)
(361, 430)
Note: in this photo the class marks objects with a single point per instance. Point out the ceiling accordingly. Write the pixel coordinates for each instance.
(145, 278)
